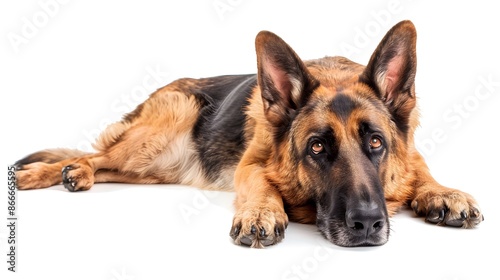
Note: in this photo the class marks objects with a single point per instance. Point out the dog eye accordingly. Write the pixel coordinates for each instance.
(317, 147)
(375, 142)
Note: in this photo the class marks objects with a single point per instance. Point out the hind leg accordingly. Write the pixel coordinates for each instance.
(38, 175)
(82, 173)
(43, 169)
(113, 176)
(75, 173)
(153, 145)
(79, 176)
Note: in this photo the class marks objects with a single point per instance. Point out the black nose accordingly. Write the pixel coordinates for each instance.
(365, 221)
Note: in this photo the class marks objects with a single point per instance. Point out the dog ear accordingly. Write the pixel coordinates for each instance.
(284, 80)
(391, 71)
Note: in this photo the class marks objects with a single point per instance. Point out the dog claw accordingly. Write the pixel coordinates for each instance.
(67, 168)
(435, 216)
(253, 230)
(69, 187)
(235, 232)
(455, 223)
(475, 213)
(442, 217)
(277, 232)
(463, 215)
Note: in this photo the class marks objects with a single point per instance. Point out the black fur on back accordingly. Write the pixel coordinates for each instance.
(219, 131)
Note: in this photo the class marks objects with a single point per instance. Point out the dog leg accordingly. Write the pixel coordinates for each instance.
(442, 205)
(260, 218)
(113, 176)
(84, 172)
(38, 175)
(43, 169)
(79, 175)
(150, 145)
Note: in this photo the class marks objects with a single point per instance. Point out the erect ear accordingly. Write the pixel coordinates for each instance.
(284, 80)
(391, 71)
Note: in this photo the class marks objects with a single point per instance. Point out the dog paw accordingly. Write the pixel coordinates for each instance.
(36, 176)
(258, 226)
(448, 207)
(76, 177)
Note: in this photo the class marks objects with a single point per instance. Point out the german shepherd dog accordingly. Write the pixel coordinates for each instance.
(326, 141)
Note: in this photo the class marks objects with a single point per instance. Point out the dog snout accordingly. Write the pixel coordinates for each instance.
(365, 221)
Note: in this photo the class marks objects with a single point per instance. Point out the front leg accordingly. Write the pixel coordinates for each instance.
(442, 205)
(260, 218)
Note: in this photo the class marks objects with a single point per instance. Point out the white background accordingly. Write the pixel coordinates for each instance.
(69, 68)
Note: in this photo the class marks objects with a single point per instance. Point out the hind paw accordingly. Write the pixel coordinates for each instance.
(76, 177)
(36, 176)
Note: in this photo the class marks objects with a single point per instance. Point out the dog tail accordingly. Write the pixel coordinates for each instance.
(50, 156)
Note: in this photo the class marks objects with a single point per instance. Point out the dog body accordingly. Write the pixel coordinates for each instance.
(325, 141)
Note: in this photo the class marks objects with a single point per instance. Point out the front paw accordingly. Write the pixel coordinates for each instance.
(450, 207)
(258, 226)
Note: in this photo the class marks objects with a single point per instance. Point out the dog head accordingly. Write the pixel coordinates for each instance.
(339, 131)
